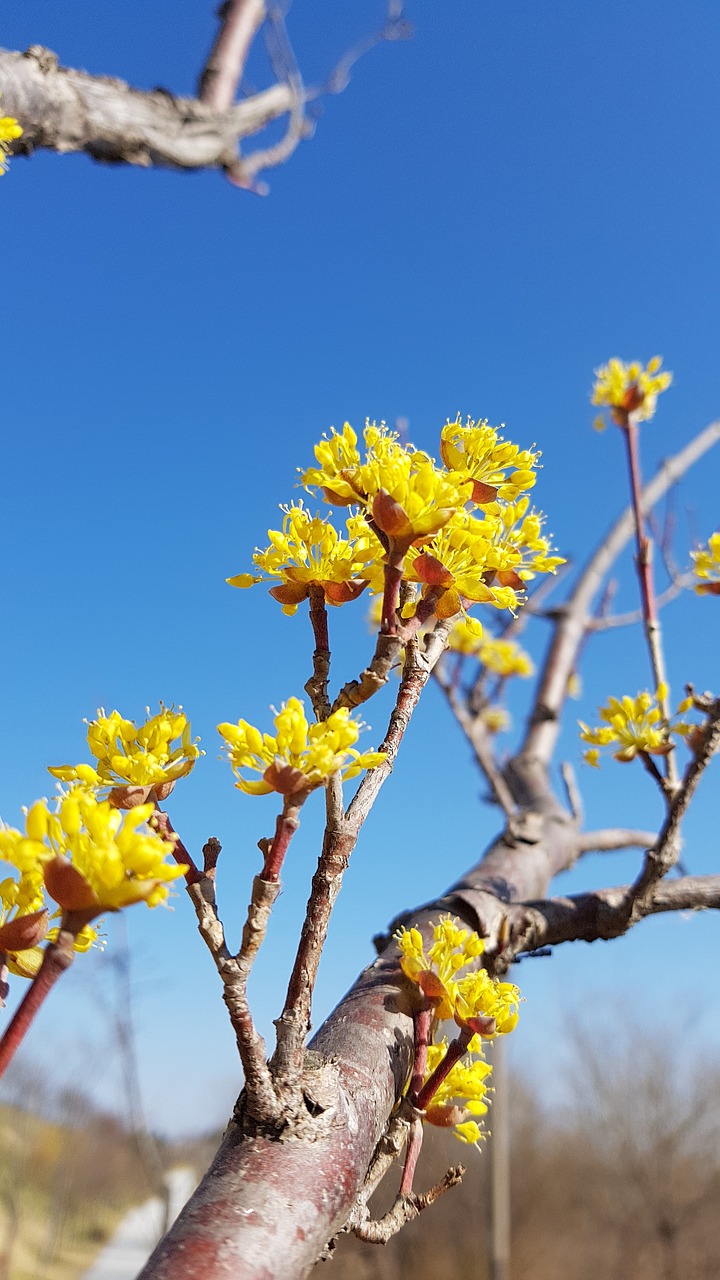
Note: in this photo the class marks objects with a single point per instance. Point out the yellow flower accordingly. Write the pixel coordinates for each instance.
(300, 756)
(135, 759)
(438, 974)
(462, 1094)
(505, 658)
(520, 548)
(634, 726)
(308, 551)
(486, 560)
(466, 635)
(24, 918)
(629, 389)
(92, 857)
(9, 131)
(495, 719)
(707, 567)
(407, 497)
(475, 451)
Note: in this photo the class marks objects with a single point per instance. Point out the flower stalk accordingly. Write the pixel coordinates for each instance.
(58, 957)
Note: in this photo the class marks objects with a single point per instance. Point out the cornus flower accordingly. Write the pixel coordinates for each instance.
(92, 857)
(466, 635)
(462, 1094)
(133, 759)
(308, 552)
(24, 918)
(9, 131)
(454, 1086)
(707, 567)
(407, 497)
(475, 451)
(495, 719)
(439, 975)
(520, 549)
(299, 757)
(461, 566)
(505, 658)
(634, 726)
(629, 389)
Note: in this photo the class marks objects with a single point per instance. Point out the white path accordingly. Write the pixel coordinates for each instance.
(139, 1232)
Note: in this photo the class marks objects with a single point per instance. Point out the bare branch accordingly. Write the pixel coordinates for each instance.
(395, 28)
(65, 110)
(666, 851)
(572, 790)
(608, 839)
(480, 741)
(572, 622)
(607, 621)
(602, 914)
(405, 1209)
(241, 20)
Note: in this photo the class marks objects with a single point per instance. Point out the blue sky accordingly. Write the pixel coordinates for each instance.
(490, 211)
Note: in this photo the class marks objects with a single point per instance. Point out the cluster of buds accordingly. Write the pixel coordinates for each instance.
(453, 986)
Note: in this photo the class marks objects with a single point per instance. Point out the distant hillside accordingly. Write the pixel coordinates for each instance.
(65, 1184)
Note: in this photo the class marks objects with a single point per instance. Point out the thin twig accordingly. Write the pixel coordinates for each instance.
(610, 839)
(651, 617)
(571, 623)
(572, 790)
(608, 621)
(665, 852)
(245, 170)
(317, 686)
(294, 1021)
(57, 958)
(241, 20)
(395, 28)
(405, 1209)
(481, 743)
(234, 972)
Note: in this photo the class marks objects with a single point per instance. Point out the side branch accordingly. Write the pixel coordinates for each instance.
(602, 914)
(66, 110)
(574, 617)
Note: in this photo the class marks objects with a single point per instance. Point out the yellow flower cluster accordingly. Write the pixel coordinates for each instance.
(461, 531)
(299, 757)
(439, 975)
(629, 389)
(462, 1093)
(135, 759)
(400, 488)
(503, 657)
(634, 726)
(308, 551)
(88, 857)
(451, 981)
(475, 450)
(707, 567)
(9, 131)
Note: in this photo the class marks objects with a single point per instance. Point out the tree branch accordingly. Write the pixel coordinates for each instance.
(65, 110)
(241, 20)
(573, 619)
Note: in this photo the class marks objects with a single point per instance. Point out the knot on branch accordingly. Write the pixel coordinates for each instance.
(48, 62)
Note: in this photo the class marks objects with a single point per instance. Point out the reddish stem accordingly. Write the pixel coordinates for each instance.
(642, 542)
(645, 576)
(391, 594)
(285, 828)
(455, 1051)
(160, 821)
(58, 957)
(422, 1024)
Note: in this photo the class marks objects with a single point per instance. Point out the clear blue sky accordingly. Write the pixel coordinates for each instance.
(491, 210)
